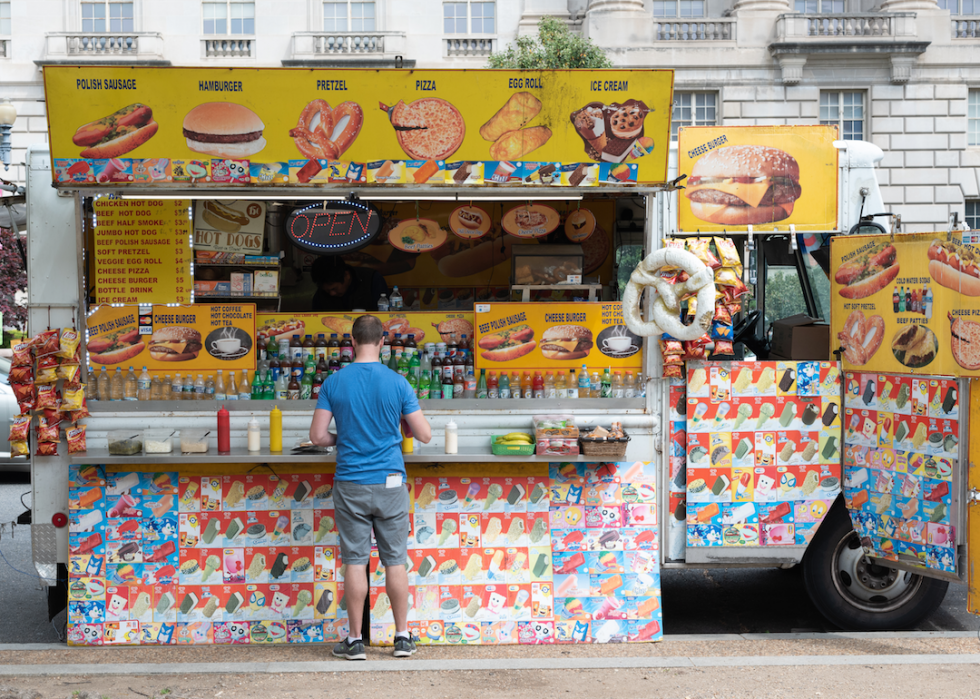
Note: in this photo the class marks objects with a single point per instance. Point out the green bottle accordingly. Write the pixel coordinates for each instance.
(403, 364)
(256, 386)
(306, 384)
(435, 385)
(414, 366)
(425, 381)
(481, 385)
(393, 362)
(606, 384)
(268, 387)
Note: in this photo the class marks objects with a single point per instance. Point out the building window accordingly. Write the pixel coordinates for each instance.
(100, 17)
(973, 214)
(678, 8)
(4, 19)
(349, 17)
(973, 119)
(693, 109)
(480, 17)
(222, 18)
(961, 7)
(844, 110)
(819, 7)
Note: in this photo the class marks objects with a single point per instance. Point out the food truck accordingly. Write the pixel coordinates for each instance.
(536, 247)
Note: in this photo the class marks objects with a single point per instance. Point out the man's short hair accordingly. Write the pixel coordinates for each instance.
(367, 330)
(329, 270)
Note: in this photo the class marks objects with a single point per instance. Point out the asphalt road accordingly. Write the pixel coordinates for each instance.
(694, 601)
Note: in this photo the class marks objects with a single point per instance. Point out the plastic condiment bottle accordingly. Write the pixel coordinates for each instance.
(452, 438)
(224, 431)
(254, 435)
(275, 430)
(408, 443)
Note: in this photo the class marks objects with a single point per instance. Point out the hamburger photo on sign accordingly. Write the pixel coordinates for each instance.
(743, 185)
(224, 130)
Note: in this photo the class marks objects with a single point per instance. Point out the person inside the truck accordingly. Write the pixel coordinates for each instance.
(340, 287)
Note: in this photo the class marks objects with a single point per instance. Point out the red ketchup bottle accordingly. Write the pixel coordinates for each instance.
(224, 431)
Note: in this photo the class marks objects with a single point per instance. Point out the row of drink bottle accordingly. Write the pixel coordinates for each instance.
(295, 370)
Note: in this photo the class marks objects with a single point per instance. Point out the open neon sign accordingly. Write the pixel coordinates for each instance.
(332, 229)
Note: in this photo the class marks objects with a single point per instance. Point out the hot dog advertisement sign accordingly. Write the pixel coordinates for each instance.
(169, 339)
(763, 176)
(161, 126)
(230, 226)
(555, 336)
(906, 304)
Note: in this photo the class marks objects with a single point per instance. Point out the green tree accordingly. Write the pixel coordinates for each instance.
(784, 296)
(555, 47)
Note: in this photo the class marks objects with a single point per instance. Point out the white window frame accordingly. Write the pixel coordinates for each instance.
(971, 214)
(695, 95)
(107, 16)
(5, 17)
(470, 17)
(842, 113)
(349, 20)
(973, 118)
(823, 7)
(228, 18)
(956, 7)
(679, 9)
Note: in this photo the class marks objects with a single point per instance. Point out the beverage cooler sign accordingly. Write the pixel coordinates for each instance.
(157, 126)
(907, 304)
(171, 339)
(555, 336)
(758, 175)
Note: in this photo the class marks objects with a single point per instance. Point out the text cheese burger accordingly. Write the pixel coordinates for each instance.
(175, 344)
(224, 130)
(741, 185)
(566, 342)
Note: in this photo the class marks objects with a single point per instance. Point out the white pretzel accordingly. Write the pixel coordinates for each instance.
(666, 297)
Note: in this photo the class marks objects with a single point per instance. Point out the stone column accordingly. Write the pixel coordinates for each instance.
(534, 10)
(618, 24)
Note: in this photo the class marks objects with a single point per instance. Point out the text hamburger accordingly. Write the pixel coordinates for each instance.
(566, 342)
(175, 344)
(224, 130)
(741, 185)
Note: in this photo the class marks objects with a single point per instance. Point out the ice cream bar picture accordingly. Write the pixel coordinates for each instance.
(949, 402)
(741, 514)
(720, 485)
(427, 566)
(495, 603)
(234, 529)
(855, 478)
(124, 484)
(869, 392)
(776, 514)
(810, 413)
(515, 494)
(188, 603)
(706, 513)
(165, 603)
(323, 604)
(788, 414)
(302, 491)
(88, 521)
(279, 601)
(789, 378)
(743, 448)
(571, 565)
(743, 483)
(279, 567)
(764, 484)
(829, 415)
(234, 602)
(212, 530)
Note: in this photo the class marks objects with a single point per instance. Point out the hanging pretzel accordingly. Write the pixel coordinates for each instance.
(326, 132)
(666, 306)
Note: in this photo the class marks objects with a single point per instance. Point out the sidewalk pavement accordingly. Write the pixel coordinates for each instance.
(926, 664)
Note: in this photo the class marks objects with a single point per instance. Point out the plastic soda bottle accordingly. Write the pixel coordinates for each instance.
(629, 388)
(493, 389)
(131, 385)
(156, 389)
(503, 389)
(176, 391)
(200, 393)
(572, 389)
(143, 385)
(435, 385)
(617, 385)
(584, 385)
(481, 385)
(425, 383)
(537, 385)
(550, 390)
(527, 387)
(606, 384)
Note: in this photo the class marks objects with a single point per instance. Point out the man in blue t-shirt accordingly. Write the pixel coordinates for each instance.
(370, 402)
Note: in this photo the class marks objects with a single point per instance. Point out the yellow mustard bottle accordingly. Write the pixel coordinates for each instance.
(275, 430)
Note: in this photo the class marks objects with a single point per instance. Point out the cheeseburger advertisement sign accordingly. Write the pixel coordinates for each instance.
(283, 126)
(763, 176)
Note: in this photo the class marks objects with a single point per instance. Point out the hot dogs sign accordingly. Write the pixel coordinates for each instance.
(907, 303)
(160, 126)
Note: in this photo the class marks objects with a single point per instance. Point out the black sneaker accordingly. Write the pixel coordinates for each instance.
(351, 651)
(404, 647)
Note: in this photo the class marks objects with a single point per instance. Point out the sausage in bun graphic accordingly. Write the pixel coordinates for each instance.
(741, 185)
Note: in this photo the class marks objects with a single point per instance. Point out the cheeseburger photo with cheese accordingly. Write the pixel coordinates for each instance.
(741, 185)
(566, 342)
(175, 344)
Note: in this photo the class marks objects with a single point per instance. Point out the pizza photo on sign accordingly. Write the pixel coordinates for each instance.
(613, 133)
(427, 129)
(534, 221)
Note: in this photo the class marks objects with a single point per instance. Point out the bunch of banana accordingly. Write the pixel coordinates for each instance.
(515, 438)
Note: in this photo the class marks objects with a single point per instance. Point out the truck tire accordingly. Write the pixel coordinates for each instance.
(855, 594)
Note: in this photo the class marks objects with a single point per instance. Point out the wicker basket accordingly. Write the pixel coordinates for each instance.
(604, 447)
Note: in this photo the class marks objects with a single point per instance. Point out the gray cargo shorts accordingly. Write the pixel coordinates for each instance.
(359, 508)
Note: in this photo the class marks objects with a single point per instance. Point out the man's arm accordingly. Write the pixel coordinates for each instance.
(419, 424)
(319, 433)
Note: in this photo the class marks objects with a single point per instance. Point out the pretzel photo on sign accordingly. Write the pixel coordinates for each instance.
(666, 297)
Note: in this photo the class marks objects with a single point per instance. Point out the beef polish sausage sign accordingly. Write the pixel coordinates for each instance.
(333, 228)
